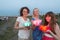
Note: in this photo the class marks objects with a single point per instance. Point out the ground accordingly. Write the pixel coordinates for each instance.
(7, 31)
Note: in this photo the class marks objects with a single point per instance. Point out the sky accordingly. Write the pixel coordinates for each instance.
(12, 7)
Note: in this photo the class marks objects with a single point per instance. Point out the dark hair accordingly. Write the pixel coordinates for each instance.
(52, 22)
(21, 14)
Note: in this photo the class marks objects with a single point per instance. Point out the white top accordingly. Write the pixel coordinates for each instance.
(23, 33)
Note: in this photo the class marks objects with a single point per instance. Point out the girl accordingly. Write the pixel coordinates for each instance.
(37, 35)
(24, 32)
(54, 31)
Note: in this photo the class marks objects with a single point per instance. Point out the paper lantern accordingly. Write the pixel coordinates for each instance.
(27, 24)
(43, 28)
(36, 22)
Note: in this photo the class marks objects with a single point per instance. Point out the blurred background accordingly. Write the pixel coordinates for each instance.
(9, 11)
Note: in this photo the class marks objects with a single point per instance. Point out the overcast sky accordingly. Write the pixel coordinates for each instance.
(11, 7)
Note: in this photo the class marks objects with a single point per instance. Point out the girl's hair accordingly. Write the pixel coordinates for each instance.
(21, 11)
(33, 11)
(52, 22)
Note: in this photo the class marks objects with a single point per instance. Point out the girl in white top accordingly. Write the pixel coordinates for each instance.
(23, 32)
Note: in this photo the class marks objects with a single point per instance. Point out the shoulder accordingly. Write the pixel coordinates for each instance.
(57, 26)
(18, 19)
(57, 29)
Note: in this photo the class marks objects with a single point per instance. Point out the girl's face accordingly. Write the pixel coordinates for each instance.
(25, 12)
(48, 18)
(36, 12)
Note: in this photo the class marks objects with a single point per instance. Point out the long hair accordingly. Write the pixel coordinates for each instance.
(52, 21)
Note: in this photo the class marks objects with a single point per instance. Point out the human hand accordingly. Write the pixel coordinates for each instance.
(25, 28)
(48, 31)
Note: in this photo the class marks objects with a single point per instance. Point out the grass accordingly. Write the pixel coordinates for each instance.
(2, 22)
(9, 33)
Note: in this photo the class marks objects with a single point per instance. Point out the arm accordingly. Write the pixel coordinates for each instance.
(33, 26)
(54, 35)
(17, 26)
(57, 31)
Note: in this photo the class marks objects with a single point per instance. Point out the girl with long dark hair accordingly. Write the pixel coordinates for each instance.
(54, 30)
